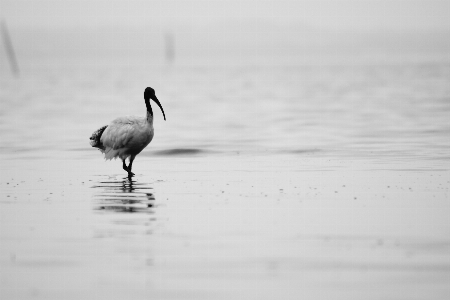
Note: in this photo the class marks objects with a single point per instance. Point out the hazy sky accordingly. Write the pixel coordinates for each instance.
(338, 14)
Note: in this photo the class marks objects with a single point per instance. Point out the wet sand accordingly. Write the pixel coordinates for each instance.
(224, 227)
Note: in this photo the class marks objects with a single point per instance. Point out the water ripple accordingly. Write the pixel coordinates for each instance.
(124, 196)
(180, 151)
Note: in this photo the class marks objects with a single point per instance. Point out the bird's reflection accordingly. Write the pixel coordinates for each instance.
(123, 196)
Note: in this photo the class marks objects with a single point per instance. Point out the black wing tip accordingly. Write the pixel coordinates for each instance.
(95, 137)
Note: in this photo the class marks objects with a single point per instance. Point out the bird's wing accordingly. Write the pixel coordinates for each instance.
(118, 134)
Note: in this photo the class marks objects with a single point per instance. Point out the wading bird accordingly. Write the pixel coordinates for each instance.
(127, 136)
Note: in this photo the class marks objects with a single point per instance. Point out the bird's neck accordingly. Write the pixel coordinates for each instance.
(149, 118)
(149, 111)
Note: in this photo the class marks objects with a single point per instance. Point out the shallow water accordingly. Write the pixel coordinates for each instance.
(381, 113)
(264, 182)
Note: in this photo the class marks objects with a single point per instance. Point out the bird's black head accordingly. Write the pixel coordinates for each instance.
(149, 93)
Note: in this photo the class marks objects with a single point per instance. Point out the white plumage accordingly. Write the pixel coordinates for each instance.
(126, 137)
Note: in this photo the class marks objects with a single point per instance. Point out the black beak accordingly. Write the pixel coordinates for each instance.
(159, 104)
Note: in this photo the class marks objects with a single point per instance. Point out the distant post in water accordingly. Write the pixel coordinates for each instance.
(9, 49)
(169, 47)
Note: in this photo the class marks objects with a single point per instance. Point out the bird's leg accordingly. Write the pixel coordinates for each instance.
(130, 165)
(124, 166)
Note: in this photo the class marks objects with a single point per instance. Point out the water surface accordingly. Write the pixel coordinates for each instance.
(264, 182)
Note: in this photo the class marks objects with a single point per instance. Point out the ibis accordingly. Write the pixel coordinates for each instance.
(126, 137)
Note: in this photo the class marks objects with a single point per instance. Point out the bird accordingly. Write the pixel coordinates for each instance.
(125, 137)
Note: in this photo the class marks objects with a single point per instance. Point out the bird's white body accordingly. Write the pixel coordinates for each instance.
(127, 136)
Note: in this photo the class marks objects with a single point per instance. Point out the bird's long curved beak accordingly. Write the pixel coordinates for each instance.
(159, 104)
